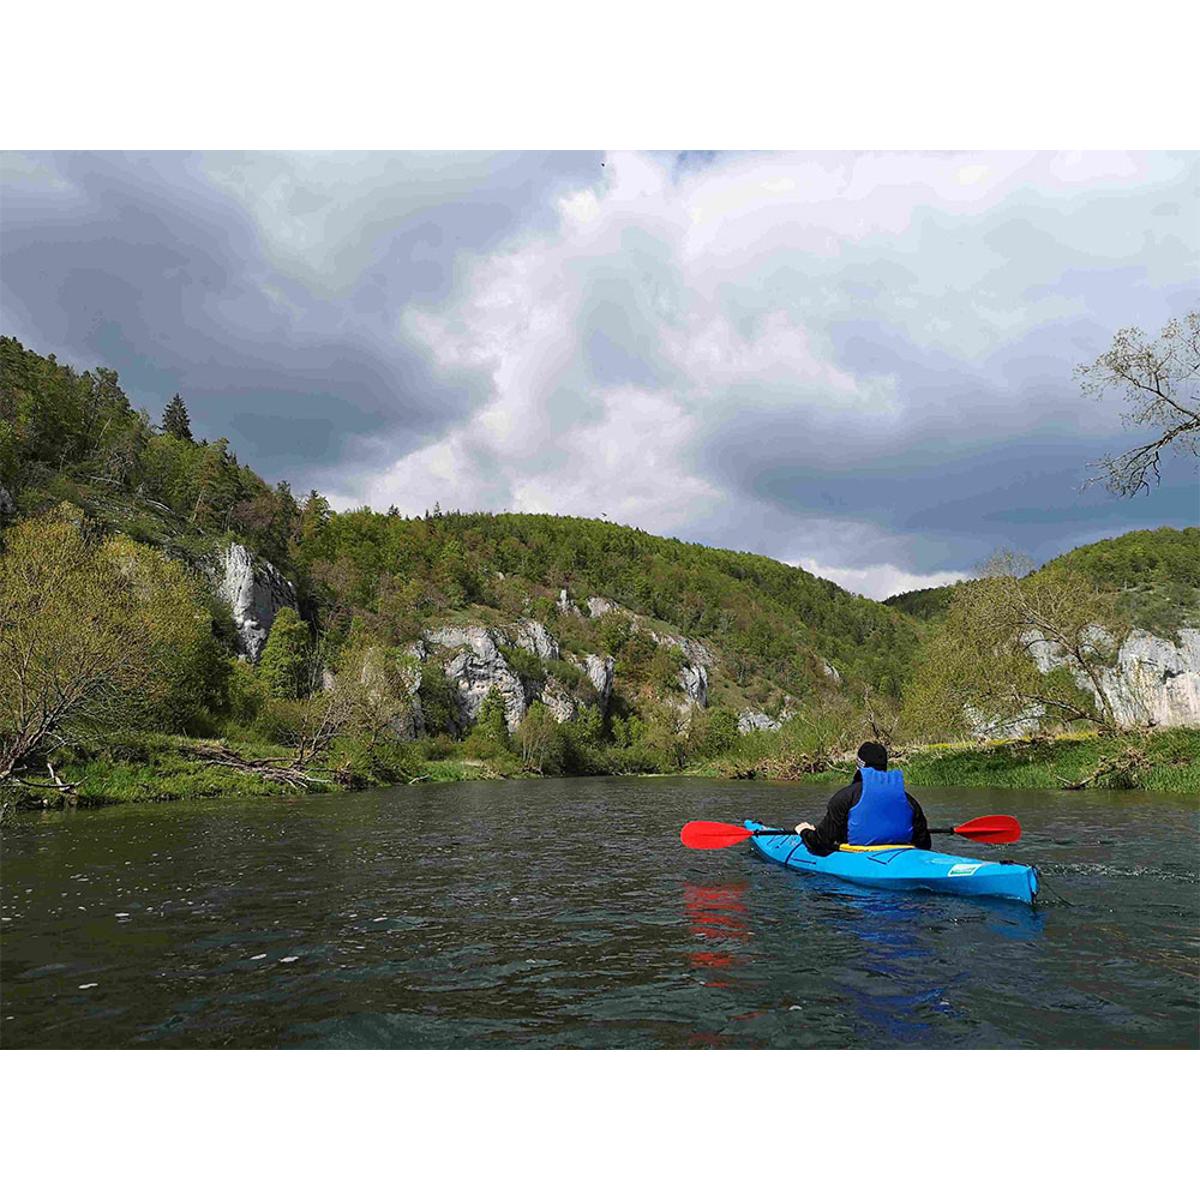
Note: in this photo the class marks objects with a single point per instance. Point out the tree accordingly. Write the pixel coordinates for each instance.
(1017, 648)
(1160, 384)
(539, 740)
(175, 419)
(94, 632)
(491, 726)
(285, 663)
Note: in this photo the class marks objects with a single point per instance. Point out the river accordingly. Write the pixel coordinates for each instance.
(565, 913)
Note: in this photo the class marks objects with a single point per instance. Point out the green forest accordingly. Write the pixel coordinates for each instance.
(131, 684)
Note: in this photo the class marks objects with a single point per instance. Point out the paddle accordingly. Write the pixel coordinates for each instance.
(716, 835)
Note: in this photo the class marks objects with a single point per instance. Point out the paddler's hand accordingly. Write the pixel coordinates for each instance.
(803, 826)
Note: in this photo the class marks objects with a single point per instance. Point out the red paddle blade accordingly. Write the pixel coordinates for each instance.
(997, 829)
(711, 835)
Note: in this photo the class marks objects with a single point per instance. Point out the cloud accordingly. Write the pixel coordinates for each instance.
(858, 361)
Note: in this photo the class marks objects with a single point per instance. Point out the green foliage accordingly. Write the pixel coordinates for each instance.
(175, 420)
(1156, 573)
(95, 631)
(247, 693)
(374, 760)
(439, 700)
(286, 659)
(539, 741)
(925, 604)
(490, 733)
(977, 671)
(713, 733)
(528, 666)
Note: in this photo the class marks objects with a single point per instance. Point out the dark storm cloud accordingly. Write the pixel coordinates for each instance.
(144, 264)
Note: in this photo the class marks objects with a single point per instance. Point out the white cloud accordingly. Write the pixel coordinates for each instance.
(878, 583)
(617, 353)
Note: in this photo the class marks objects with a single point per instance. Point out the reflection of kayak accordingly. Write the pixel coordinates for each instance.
(903, 868)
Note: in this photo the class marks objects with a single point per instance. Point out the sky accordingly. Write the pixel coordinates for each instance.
(859, 363)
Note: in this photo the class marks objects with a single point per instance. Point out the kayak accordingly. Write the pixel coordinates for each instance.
(903, 868)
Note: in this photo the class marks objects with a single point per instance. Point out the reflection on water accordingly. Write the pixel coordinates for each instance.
(717, 913)
(565, 913)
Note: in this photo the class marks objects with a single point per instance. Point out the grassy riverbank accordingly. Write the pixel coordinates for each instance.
(1165, 761)
(159, 767)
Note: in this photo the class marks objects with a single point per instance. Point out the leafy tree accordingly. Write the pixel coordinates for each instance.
(286, 658)
(1159, 381)
(491, 726)
(94, 632)
(438, 700)
(175, 419)
(1018, 646)
(539, 741)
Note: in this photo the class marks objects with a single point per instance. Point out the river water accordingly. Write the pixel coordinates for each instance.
(565, 913)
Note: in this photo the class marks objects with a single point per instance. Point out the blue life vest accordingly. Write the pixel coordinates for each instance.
(882, 816)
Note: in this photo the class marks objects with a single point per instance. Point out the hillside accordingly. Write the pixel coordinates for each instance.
(767, 635)
(291, 645)
(1155, 571)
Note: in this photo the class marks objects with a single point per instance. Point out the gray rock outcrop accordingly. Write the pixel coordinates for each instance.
(535, 638)
(566, 605)
(255, 590)
(558, 701)
(1154, 681)
(477, 668)
(598, 606)
(8, 506)
(749, 719)
(600, 673)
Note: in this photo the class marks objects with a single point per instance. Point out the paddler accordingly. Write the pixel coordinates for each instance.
(872, 810)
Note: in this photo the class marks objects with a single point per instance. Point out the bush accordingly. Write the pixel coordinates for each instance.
(283, 722)
(383, 760)
(247, 693)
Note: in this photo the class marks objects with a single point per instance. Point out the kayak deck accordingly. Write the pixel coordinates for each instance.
(905, 869)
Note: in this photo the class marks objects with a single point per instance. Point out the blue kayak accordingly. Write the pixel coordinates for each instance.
(903, 869)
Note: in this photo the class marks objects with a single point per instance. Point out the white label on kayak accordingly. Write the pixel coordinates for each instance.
(965, 869)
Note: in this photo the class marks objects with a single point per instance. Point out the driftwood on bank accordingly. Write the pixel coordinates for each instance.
(275, 770)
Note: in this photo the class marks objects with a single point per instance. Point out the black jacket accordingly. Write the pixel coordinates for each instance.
(832, 832)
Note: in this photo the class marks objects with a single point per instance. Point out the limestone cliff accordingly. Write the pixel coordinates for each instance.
(255, 591)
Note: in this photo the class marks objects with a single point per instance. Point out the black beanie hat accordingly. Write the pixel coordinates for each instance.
(872, 754)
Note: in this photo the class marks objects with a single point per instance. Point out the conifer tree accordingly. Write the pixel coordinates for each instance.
(175, 419)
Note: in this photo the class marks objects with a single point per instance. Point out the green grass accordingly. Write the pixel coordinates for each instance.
(1173, 758)
(148, 768)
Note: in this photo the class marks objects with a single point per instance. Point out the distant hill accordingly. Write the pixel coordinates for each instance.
(1156, 571)
(775, 631)
(770, 634)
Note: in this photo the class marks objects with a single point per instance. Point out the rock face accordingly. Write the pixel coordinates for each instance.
(476, 669)
(749, 720)
(558, 701)
(830, 671)
(1154, 680)
(409, 721)
(566, 605)
(255, 591)
(693, 678)
(7, 505)
(600, 672)
(598, 606)
(534, 637)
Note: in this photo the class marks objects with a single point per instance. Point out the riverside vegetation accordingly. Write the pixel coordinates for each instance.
(473, 645)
